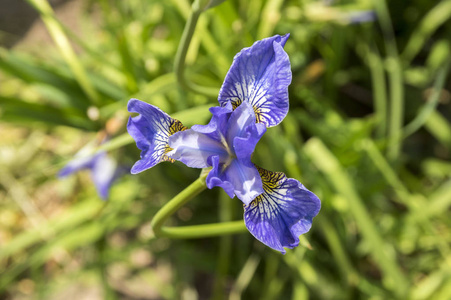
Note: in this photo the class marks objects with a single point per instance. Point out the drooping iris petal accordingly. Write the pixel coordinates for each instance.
(104, 172)
(151, 130)
(193, 148)
(84, 159)
(245, 180)
(283, 212)
(217, 178)
(260, 75)
(236, 179)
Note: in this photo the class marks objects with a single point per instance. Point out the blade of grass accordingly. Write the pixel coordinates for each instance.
(269, 18)
(394, 70)
(33, 72)
(225, 248)
(387, 171)
(72, 218)
(430, 284)
(394, 279)
(88, 234)
(25, 113)
(127, 62)
(438, 202)
(182, 50)
(338, 251)
(222, 63)
(245, 277)
(379, 89)
(64, 46)
(160, 85)
(434, 18)
(440, 128)
(431, 104)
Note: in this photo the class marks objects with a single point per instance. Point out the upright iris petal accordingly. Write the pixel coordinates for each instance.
(226, 144)
(282, 212)
(151, 131)
(260, 76)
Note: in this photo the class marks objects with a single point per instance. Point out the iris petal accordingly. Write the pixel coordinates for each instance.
(260, 75)
(242, 118)
(235, 178)
(84, 159)
(104, 172)
(216, 128)
(245, 180)
(193, 148)
(104, 169)
(218, 178)
(244, 146)
(283, 212)
(151, 131)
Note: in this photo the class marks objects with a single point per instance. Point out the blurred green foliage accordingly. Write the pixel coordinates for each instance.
(368, 131)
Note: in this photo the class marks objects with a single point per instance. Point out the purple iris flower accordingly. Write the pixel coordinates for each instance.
(104, 169)
(253, 97)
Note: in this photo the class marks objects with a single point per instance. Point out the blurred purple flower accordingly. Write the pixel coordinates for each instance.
(104, 169)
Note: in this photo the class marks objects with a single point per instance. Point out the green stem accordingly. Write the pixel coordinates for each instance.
(195, 231)
(182, 50)
(177, 202)
(205, 230)
(379, 90)
(108, 292)
(225, 249)
(350, 276)
(394, 71)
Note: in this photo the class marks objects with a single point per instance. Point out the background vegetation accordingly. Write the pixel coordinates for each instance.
(368, 131)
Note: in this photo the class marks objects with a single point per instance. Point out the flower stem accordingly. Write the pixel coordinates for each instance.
(395, 80)
(182, 50)
(177, 202)
(205, 230)
(225, 249)
(195, 231)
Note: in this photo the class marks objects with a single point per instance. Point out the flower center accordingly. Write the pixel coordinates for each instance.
(226, 146)
(231, 154)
